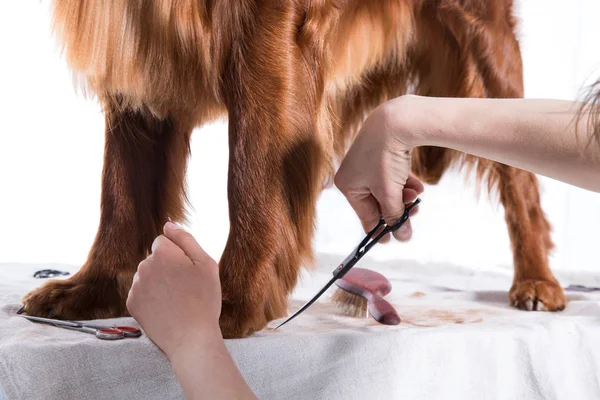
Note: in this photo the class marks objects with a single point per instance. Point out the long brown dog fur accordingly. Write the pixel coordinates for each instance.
(296, 78)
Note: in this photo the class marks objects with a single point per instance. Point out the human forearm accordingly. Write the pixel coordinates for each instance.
(205, 370)
(176, 297)
(536, 135)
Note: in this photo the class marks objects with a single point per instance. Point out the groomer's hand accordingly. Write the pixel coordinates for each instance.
(176, 292)
(375, 175)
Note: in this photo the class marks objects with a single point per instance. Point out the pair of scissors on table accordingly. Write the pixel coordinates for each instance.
(367, 243)
(101, 331)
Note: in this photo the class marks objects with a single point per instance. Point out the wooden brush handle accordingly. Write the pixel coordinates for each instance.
(382, 311)
(369, 281)
(372, 286)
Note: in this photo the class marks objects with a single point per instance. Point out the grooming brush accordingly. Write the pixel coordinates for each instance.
(369, 285)
(360, 294)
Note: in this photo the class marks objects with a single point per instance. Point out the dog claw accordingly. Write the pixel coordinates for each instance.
(21, 310)
(537, 295)
(529, 305)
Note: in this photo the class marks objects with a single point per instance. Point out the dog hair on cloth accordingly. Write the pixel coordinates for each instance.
(296, 79)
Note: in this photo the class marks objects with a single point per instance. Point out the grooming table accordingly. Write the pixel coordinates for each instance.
(458, 339)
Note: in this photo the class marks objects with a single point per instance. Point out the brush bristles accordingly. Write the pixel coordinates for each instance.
(351, 304)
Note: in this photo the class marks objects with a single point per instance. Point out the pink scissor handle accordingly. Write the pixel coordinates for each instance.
(129, 331)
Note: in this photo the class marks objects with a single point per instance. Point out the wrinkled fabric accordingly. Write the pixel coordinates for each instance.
(458, 339)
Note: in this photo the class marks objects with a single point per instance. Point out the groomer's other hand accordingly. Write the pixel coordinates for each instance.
(176, 292)
(375, 175)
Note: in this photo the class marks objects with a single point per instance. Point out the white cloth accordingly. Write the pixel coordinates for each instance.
(458, 340)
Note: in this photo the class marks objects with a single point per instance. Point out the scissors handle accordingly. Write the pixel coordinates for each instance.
(394, 227)
(128, 331)
(368, 242)
(105, 334)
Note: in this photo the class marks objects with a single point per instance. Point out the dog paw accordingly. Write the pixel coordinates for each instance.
(76, 299)
(238, 320)
(537, 295)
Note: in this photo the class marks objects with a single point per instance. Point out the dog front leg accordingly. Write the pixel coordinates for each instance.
(142, 185)
(276, 168)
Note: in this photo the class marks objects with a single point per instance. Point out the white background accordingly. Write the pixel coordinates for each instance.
(51, 144)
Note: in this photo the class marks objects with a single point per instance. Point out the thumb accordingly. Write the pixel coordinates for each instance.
(185, 241)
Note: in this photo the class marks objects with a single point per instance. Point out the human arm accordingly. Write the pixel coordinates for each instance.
(205, 370)
(536, 135)
(176, 298)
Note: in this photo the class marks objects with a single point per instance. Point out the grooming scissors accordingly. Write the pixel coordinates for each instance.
(367, 243)
(101, 331)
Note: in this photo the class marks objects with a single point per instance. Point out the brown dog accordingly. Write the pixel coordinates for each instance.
(296, 78)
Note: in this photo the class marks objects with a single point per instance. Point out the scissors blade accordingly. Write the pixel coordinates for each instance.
(309, 303)
(367, 243)
(52, 321)
(338, 273)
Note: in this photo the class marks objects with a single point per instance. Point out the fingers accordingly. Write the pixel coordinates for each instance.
(413, 183)
(163, 247)
(385, 238)
(411, 191)
(387, 199)
(409, 195)
(404, 233)
(391, 204)
(366, 208)
(391, 207)
(392, 211)
(185, 241)
(414, 211)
